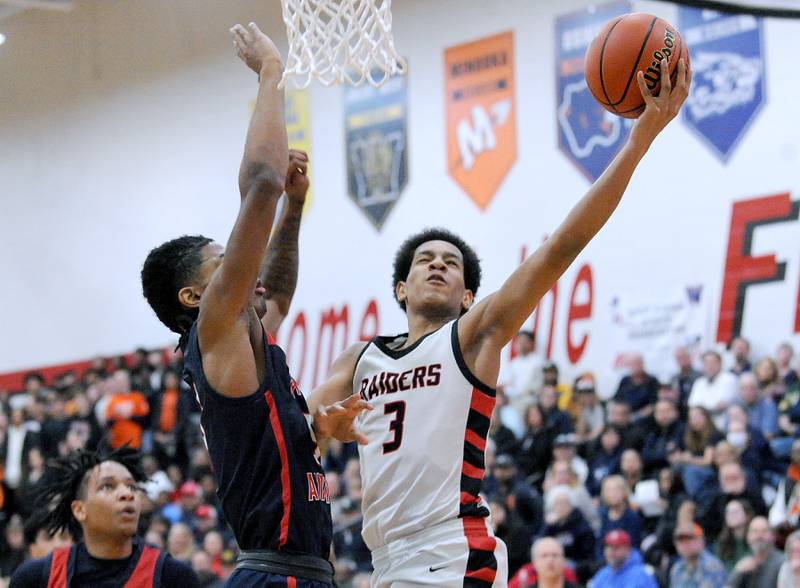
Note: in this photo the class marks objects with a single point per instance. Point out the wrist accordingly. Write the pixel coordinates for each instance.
(270, 68)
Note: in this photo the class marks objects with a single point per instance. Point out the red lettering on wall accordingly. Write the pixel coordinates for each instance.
(577, 312)
(298, 326)
(371, 312)
(743, 270)
(330, 320)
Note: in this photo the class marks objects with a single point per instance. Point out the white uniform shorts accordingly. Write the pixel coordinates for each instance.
(462, 552)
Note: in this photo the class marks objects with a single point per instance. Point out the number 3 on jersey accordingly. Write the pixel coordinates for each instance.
(396, 425)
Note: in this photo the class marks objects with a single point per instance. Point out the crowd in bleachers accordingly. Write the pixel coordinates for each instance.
(686, 483)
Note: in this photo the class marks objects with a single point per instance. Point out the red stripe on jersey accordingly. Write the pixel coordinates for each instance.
(482, 403)
(474, 439)
(270, 339)
(58, 567)
(291, 582)
(485, 574)
(467, 498)
(286, 488)
(144, 573)
(472, 471)
(478, 539)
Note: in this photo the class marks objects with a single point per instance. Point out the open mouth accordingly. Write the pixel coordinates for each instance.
(128, 511)
(436, 278)
(260, 290)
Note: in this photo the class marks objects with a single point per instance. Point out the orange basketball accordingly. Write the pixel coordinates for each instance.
(626, 45)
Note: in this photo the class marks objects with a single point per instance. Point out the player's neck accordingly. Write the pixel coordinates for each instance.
(104, 547)
(420, 325)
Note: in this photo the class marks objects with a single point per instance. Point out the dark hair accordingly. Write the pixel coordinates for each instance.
(68, 482)
(167, 269)
(34, 524)
(405, 255)
(726, 542)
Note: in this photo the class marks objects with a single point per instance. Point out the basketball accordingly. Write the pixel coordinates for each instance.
(628, 44)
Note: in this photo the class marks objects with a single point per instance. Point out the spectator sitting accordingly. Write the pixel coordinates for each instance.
(760, 569)
(686, 376)
(619, 417)
(39, 541)
(696, 567)
(564, 451)
(732, 541)
(785, 510)
(733, 486)
(557, 420)
(740, 352)
(125, 412)
(616, 512)
(504, 439)
(624, 567)
(547, 569)
(789, 575)
(536, 446)
(589, 413)
(562, 474)
(760, 408)
(783, 358)
(696, 458)
(567, 525)
(508, 526)
(180, 542)
(605, 459)
(673, 496)
(663, 444)
(751, 449)
(564, 393)
(638, 389)
(715, 390)
(511, 488)
(769, 378)
(631, 467)
(520, 380)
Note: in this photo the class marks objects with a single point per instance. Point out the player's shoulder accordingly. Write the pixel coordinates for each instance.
(176, 573)
(32, 574)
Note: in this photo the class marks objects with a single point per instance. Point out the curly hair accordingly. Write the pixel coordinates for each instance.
(405, 256)
(69, 482)
(168, 268)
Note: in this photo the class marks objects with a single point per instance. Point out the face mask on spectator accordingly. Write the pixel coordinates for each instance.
(737, 439)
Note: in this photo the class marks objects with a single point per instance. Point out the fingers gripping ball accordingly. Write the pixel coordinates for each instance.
(628, 44)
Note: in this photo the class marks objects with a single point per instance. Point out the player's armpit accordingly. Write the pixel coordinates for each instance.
(339, 384)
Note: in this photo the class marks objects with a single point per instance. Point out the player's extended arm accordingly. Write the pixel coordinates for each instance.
(496, 319)
(333, 403)
(279, 270)
(261, 179)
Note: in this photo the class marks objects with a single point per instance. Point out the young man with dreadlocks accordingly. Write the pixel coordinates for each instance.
(95, 496)
(433, 387)
(255, 420)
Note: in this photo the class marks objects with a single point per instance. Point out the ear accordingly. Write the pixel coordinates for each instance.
(400, 292)
(78, 510)
(467, 299)
(190, 296)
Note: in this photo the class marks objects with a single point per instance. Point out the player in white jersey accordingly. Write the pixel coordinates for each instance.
(433, 388)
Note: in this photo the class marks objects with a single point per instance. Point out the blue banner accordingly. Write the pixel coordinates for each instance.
(376, 144)
(587, 133)
(728, 69)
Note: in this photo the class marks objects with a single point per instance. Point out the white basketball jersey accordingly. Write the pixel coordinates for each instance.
(424, 462)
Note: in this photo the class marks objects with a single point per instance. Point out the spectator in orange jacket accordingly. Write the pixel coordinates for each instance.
(126, 411)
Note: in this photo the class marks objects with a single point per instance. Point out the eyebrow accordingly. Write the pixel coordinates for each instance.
(447, 255)
(114, 479)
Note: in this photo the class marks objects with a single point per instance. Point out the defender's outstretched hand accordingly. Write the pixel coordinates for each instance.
(297, 182)
(336, 420)
(660, 110)
(254, 47)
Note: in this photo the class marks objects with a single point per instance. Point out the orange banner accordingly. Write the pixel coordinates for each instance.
(481, 114)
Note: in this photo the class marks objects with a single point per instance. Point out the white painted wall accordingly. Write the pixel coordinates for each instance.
(122, 125)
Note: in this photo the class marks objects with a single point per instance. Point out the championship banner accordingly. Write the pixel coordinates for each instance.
(654, 324)
(728, 87)
(481, 115)
(298, 129)
(587, 133)
(376, 143)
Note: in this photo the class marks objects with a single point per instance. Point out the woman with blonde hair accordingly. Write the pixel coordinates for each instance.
(616, 512)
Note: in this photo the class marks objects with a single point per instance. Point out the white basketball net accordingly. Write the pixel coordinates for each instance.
(340, 41)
